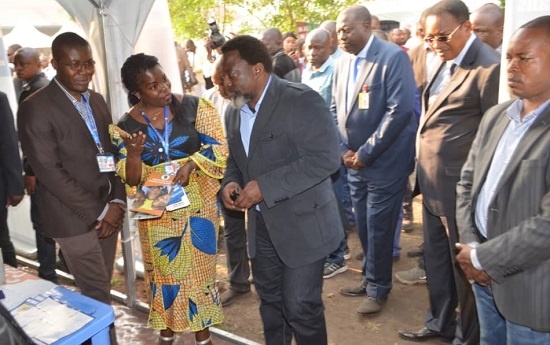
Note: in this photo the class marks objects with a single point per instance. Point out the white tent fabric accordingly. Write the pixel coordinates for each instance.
(70, 26)
(27, 35)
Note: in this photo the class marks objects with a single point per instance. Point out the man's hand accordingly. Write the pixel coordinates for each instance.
(464, 260)
(357, 164)
(112, 222)
(351, 160)
(105, 230)
(114, 215)
(30, 184)
(13, 200)
(249, 196)
(347, 158)
(231, 187)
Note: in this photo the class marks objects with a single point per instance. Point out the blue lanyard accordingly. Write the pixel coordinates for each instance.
(88, 118)
(166, 140)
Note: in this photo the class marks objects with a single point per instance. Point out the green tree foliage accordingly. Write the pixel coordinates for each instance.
(189, 16)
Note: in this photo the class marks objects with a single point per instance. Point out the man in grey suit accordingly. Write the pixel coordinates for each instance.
(373, 99)
(283, 148)
(465, 86)
(69, 149)
(503, 207)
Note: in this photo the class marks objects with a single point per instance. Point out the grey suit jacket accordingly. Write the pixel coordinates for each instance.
(293, 151)
(62, 153)
(383, 135)
(448, 127)
(516, 254)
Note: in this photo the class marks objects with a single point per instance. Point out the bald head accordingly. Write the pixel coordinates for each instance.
(318, 46)
(330, 26)
(487, 23)
(27, 63)
(374, 23)
(273, 40)
(359, 13)
(217, 79)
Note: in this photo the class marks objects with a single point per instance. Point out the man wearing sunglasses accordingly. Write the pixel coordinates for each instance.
(463, 88)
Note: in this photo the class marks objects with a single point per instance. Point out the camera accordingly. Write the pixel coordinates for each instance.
(215, 35)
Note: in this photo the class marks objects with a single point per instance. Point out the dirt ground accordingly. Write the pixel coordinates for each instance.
(404, 310)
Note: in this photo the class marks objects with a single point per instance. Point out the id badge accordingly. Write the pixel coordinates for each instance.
(171, 169)
(106, 162)
(364, 98)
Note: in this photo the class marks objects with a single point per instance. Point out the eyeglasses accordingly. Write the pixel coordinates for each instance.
(441, 38)
(77, 65)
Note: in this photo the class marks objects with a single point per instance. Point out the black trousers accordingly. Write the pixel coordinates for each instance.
(447, 284)
(291, 303)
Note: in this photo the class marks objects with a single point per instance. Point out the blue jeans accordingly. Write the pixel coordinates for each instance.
(377, 204)
(397, 236)
(495, 329)
(341, 188)
(291, 303)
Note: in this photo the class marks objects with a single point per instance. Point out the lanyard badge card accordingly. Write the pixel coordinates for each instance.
(364, 98)
(106, 162)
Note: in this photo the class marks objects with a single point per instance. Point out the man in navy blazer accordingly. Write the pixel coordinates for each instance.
(373, 98)
(283, 148)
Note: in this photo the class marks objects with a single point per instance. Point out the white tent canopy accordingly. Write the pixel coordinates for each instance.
(27, 35)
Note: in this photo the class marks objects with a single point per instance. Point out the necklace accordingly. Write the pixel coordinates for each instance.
(154, 116)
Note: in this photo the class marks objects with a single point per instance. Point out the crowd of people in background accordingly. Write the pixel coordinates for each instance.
(301, 141)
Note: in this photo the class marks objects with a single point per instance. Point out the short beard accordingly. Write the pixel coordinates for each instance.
(239, 99)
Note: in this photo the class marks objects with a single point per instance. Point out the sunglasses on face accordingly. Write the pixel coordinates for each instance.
(442, 38)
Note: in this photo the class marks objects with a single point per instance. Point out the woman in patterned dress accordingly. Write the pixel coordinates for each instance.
(166, 133)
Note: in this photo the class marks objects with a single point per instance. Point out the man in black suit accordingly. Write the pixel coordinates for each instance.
(28, 68)
(283, 150)
(283, 65)
(453, 103)
(11, 182)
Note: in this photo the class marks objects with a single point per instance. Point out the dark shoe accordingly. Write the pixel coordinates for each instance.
(413, 276)
(357, 291)
(417, 252)
(423, 334)
(227, 298)
(331, 269)
(406, 225)
(371, 305)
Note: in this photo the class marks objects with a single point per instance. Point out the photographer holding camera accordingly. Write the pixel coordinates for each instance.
(213, 44)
